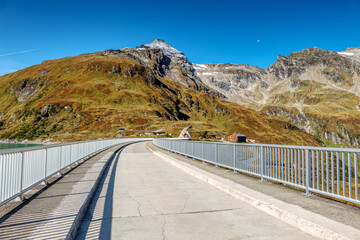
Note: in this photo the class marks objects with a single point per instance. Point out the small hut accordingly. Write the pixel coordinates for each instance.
(236, 137)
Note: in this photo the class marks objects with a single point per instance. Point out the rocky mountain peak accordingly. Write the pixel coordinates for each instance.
(160, 44)
(351, 52)
(297, 63)
(164, 61)
(351, 49)
(311, 88)
(304, 87)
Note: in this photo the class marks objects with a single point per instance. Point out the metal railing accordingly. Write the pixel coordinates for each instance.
(331, 172)
(24, 168)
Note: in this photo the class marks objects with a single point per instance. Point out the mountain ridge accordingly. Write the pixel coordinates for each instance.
(316, 90)
(280, 91)
(93, 95)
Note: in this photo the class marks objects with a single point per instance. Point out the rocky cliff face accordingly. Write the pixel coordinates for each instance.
(164, 61)
(237, 82)
(315, 89)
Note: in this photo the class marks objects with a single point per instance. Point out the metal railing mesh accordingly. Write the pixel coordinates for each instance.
(23, 168)
(332, 172)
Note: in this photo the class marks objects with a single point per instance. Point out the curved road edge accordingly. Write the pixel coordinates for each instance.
(73, 230)
(56, 210)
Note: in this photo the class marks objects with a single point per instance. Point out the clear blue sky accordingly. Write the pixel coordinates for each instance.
(252, 32)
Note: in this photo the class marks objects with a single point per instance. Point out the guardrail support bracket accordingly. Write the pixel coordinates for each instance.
(44, 183)
(19, 198)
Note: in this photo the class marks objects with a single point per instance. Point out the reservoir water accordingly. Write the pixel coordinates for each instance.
(16, 145)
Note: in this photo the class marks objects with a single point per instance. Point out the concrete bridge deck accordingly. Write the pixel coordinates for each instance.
(337, 211)
(142, 196)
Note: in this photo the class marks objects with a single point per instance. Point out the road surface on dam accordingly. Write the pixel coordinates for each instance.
(143, 197)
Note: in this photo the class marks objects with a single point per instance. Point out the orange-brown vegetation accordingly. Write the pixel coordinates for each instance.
(91, 96)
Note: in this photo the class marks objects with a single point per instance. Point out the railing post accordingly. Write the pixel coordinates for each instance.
(78, 151)
(308, 172)
(193, 145)
(22, 177)
(59, 173)
(185, 153)
(70, 160)
(235, 156)
(262, 162)
(216, 157)
(45, 170)
(202, 151)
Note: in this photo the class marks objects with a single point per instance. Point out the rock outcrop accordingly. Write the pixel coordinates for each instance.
(307, 88)
(165, 62)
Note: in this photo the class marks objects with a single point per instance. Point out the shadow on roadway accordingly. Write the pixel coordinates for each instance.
(96, 223)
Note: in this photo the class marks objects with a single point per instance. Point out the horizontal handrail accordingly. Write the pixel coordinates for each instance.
(331, 172)
(23, 168)
(40, 146)
(356, 150)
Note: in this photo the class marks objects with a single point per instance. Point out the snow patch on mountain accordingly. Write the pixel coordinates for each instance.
(200, 66)
(346, 53)
(207, 73)
(161, 44)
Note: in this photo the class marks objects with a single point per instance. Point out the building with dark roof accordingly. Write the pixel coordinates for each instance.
(236, 137)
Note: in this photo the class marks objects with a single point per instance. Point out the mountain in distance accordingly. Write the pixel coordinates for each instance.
(316, 90)
(148, 88)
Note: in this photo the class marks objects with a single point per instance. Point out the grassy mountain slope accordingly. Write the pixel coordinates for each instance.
(91, 96)
(314, 89)
(320, 93)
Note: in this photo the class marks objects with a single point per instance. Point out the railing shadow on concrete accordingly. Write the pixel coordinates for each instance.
(331, 172)
(96, 223)
(56, 224)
